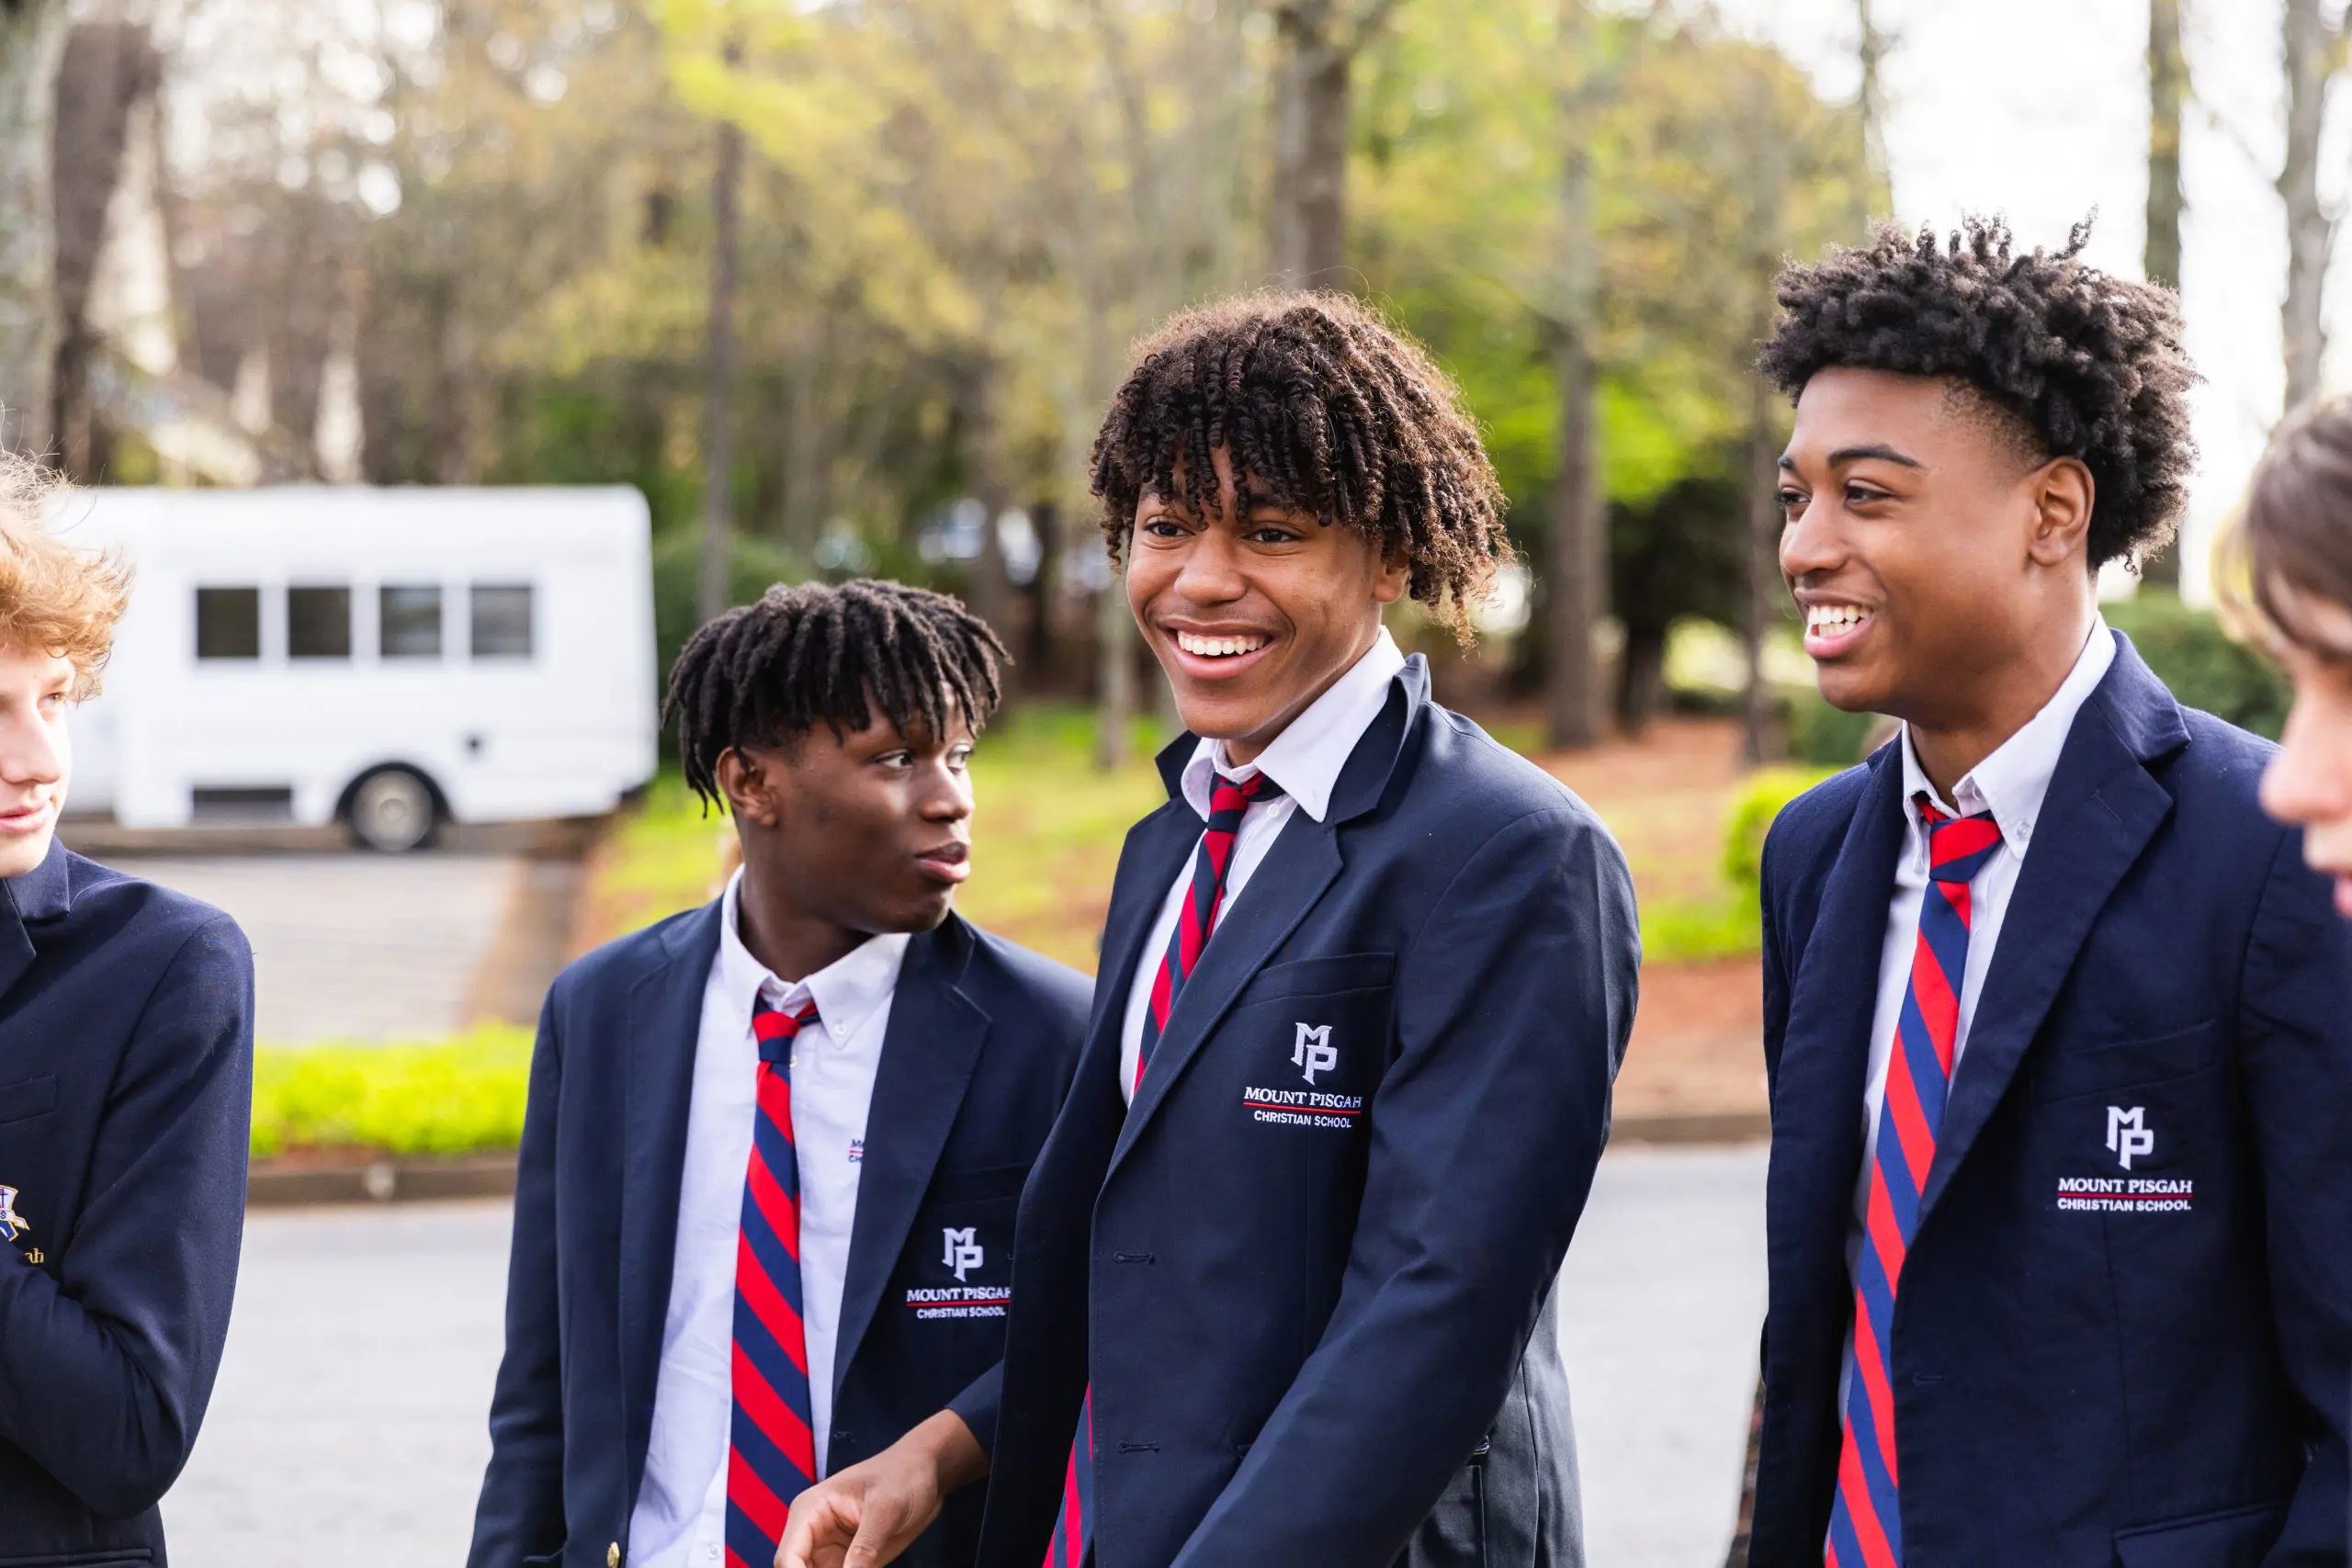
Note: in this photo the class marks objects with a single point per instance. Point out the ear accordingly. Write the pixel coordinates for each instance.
(2063, 493)
(748, 780)
(1396, 576)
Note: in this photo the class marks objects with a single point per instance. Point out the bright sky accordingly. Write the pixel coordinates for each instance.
(2038, 109)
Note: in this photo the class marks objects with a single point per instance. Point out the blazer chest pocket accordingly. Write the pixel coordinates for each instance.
(2131, 1063)
(1311, 1039)
(23, 1102)
(959, 1262)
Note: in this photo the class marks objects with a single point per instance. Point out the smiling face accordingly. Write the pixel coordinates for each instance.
(867, 832)
(1940, 568)
(36, 760)
(1255, 612)
(2309, 782)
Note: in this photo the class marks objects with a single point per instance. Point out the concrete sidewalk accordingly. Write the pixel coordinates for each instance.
(348, 1427)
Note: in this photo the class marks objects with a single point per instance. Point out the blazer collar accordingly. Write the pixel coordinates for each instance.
(929, 1055)
(663, 1020)
(35, 897)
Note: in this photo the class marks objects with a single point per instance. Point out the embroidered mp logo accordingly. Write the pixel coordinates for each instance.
(963, 1249)
(1314, 1053)
(2128, 1134)
(12, 1224)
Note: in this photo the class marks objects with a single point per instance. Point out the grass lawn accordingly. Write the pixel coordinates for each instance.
(1049, 827)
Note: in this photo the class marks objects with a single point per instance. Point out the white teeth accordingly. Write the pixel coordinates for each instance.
(1831, 619)
(1218, 646)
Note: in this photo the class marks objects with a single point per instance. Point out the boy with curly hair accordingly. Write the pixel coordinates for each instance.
(1284, 1288)
(126, 1098)
(2054, 1016)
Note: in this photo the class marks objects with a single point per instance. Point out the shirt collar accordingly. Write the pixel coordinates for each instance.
(846, 991)
(2014, 780)
(1306, 757)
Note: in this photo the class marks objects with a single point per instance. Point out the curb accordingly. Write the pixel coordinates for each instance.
(268, 1186)
(1703, 1127)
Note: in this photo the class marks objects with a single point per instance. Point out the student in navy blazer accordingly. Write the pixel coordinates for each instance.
(864, 828)
(1302, 1249)
(2122, 1327)
(126, 1102)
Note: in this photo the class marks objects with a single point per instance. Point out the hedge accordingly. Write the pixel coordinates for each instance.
(460, 1096)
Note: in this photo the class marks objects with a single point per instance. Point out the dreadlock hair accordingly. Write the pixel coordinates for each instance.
(766, 673)
(2076, 363)
(1325, 409)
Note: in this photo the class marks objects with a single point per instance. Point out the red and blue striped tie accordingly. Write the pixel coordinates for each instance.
(771, 1455)
(1228, 803)
(1866, 1522)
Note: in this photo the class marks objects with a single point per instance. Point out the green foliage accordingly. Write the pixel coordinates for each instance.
(2206, 668)
(1819, 734)
(1751, 818)
(1694, 930)
(450, 1097)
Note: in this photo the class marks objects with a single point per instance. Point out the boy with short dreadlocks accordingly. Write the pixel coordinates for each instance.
(2055, 1018)
(764, 1221)
(1285, 1294)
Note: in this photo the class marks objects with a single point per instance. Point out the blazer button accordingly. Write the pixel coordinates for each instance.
(613, 1555)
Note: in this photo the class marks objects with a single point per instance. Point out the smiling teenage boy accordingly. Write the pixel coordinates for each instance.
(1287, 1262)
(126, 1098)
(2055, 1018)
(763, 1222)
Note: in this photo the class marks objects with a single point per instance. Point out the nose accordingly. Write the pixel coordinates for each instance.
(1211, 573)
(32, 752)
(1812, 544)
(2309, 780)
(948, 798)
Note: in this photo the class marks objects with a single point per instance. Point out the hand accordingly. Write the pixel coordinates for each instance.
(865, 1515)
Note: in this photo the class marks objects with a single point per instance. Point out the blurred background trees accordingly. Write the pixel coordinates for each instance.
(481, 240)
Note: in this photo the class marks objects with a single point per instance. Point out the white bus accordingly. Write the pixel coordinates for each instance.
(391, 659)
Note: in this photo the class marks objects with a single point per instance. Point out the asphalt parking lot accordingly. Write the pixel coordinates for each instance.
(348, 1424)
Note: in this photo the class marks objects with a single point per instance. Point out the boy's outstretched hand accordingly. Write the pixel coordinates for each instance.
(865, 1515)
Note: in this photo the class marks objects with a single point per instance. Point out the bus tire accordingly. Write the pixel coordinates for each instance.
(392, 810)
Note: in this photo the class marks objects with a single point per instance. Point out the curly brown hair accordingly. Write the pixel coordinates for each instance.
(2082, 364)
(1327, 411)
(53, 596)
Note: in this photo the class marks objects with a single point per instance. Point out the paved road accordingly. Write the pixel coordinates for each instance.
(355, 946)
(348, 1424)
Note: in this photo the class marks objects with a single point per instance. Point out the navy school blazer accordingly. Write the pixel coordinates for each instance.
(2078, 1384)
(1310, 1276)
(126, 1111)
(978, 1051)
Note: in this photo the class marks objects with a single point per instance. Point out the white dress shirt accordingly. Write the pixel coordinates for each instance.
(2011, 784)
(680, 1518)
(1305, 760)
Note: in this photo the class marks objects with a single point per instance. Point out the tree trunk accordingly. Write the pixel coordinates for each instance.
(2311, 233)
(1576, 564)
(2167, 89)
(32, 43)
(1641, 678)
(1757, 742)
(1871, 50)
(1308, 206)
(719, 397)
(1114, 663)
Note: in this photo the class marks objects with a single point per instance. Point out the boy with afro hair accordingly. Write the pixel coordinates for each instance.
(1284, 1286)
(2054, 1016)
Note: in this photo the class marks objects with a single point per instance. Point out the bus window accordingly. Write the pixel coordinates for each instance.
(318, 623)
(410, 620)
(228, 623)
(501, 617)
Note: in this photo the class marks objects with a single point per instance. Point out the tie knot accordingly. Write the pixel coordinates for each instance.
(774, 1028)
(1957, 847)
(1229, 799)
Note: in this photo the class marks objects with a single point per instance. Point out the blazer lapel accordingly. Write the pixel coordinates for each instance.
(1817, 1111)
(2102, 808)
(665, 1023)
(929, 1053)
(42, 893)
(1305, 861)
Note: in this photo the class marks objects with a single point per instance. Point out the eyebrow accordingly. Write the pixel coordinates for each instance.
(1845, 454)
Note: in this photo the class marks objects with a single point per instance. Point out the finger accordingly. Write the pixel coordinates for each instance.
(873, 1544)
(815, 1523)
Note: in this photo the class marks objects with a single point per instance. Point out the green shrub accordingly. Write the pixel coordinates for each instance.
(1821, 735)
(458, 1096)
(1758, 803)
(2205, 667)
(1693, 930)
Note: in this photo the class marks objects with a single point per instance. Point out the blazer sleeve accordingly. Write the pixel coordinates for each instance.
(521, 1514)
(1775, 970)
(976, 1405)
(2296, 1035)
(1512, 1007)
(109, 1365)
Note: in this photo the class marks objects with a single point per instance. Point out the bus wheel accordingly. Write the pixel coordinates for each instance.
(392, 810)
